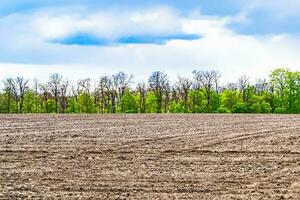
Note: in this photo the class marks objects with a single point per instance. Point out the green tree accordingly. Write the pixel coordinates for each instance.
(177, 107)
(8, 104)
(29, 105)
(241, 107)
(261, 107)
(293, 91)
(151, 102)
(197, 101)
(128, 103)
(50, 106)
(229, 98)
(86, 103)
(73, 106)
(278, 82)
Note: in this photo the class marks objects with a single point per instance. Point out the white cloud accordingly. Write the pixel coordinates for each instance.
(110, 24)
(207, 27)
(24, 40)
(107, 24)
(232, 55)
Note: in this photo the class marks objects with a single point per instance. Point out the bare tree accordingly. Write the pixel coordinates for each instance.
(103, 92)
(18, 87)
(167, 91)
(119, 83)
(207, 80)
(183, 86)
(84, 85)
(232, 86)
(54, 84)
(261, 86)
(158, 82)
(76, 90)
(141, 89)
(22, 85)
(8, 89)
(217, 88)
(11, 89)
(45, 95)
(175, 93)
(36, 91)
(63, 97)
(243, 83)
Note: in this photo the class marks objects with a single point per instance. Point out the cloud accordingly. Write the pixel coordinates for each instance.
(156, 25)
(232, 55)
(77, 41)
(79, 26)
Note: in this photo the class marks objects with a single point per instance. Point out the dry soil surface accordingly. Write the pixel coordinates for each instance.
(150, 156)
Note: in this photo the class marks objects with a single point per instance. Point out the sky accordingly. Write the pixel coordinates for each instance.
(90, 38)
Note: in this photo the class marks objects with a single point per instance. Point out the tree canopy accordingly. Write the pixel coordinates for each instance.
(202, 93)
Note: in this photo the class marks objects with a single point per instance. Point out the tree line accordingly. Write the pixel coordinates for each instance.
(115, 94)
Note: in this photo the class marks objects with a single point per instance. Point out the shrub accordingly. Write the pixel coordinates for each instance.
(177, 107)
(241, 107)
(262, 107)
(223, 110)
(280, 110)
(265, 107)
(255, 108)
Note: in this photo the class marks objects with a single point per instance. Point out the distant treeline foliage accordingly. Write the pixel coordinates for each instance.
(116, 94)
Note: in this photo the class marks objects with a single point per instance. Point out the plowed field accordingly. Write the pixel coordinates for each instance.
(150, 156)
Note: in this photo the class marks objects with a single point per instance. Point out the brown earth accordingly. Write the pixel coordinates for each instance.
(150, 156)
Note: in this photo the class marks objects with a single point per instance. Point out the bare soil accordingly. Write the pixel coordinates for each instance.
(150, 156)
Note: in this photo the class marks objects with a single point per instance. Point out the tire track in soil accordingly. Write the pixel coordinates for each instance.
(263, 134)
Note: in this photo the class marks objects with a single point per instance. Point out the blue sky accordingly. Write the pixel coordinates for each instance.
(92, 37)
